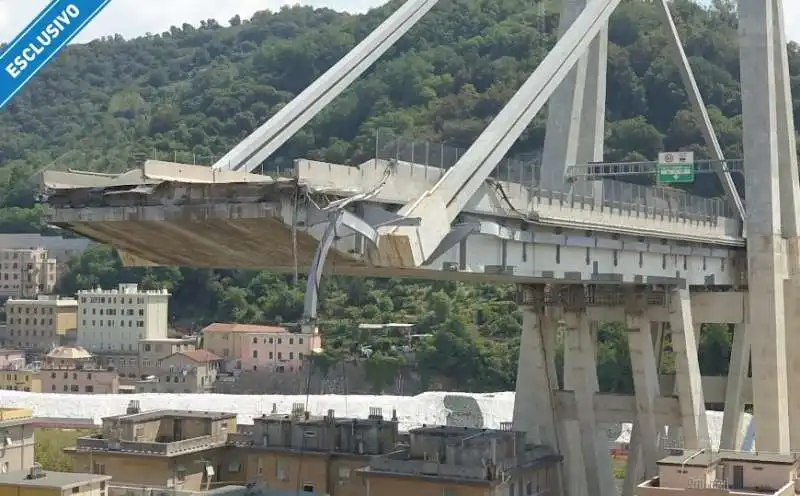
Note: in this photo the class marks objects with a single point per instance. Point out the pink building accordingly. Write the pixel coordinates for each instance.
(256, 347)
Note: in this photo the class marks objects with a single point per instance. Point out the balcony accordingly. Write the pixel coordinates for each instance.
(152, 448)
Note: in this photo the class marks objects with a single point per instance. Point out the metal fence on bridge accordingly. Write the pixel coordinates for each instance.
(526, 171)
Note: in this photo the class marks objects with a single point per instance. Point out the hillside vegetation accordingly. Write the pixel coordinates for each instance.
(193, 92)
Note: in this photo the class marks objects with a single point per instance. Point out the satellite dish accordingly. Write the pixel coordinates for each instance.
(613, 431)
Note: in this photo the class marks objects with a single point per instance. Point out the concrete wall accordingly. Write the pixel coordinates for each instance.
(18, 455)
(328, 475)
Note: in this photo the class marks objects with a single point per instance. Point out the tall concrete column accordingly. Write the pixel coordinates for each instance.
(534, 403)
(790, 214)
(580, 376)
(765, 245)
(731, 435)
(688, 381)
(576, 126)
(645, 381)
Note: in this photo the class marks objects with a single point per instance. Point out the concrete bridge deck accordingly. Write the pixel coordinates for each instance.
(173, 214)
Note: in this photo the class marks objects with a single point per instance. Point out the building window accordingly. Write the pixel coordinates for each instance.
(89, 389)
(299, 340)
(308, 487)
(280, 470)
(344, 472)
(291, 340)
(255, 353)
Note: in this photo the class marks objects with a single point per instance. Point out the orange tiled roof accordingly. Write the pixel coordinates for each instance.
(246, 328)
(203, 356)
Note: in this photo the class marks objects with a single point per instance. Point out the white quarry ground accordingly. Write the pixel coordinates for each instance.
(460, 409)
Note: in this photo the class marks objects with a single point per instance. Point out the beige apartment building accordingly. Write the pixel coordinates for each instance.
(26, 272)
(39, 324)
(152, 351)
(16, 436)
(182, 450)
(702, 473)
(192, 371)
(464, 461)
(38, 482)
(73, 370)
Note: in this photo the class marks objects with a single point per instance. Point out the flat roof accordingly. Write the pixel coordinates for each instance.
(707, 459)
(12, 414)
(61, 302)
(159, 414)
(317, 419)
(54, 480)
(459, 432)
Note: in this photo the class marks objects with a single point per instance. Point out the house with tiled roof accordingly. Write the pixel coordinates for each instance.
(192, 371)
(249, 347)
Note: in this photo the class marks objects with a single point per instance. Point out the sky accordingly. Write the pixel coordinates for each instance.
(131, 18)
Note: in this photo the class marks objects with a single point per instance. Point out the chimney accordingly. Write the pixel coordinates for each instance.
(133, 407)
(394, 414)
(36, 472)
(331, 415)
(375, 413)
(298, 410)
(274, 409)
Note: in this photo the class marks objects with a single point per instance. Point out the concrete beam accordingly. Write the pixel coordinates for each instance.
(614, 408)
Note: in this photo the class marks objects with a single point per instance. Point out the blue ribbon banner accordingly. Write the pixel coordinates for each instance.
(49, 32)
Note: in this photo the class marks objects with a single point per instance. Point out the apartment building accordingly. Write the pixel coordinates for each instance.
(37, 482)
(16, 436)
(21, 380)
(26, 273)
(73, 370)
(314, 454)
(152, 351)
(58, 247)
(700, 473)
(464, 461)
(192, 371)
(258, 347)
(182, 450)
(116, 320)
(40, 323)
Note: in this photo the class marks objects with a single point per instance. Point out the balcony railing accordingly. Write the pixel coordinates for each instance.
(152, 448)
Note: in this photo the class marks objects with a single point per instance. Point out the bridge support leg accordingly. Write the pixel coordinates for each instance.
(763, 136)
(575, 127)
(688, 381)
(731, 435)
(645, 381)
(580, 376)
(534, 404)
(634, 471)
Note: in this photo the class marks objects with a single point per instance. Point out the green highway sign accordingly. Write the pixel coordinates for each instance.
(675, 167)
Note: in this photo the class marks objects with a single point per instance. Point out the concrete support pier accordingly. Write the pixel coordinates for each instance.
(576, 130)
(645, 381)
(688, 382)
(580, 376)
(537, 382)
(766, 256)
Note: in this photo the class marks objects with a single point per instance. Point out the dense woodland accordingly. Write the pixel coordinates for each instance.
(192, 92)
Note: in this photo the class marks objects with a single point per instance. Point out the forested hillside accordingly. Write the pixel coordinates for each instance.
(192, 92)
